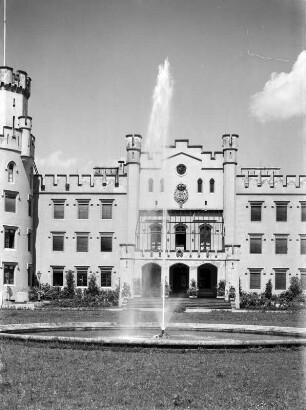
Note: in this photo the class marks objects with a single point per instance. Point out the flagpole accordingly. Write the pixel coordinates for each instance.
(4, 31)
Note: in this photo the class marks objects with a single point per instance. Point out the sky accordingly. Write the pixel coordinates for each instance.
(238, 66)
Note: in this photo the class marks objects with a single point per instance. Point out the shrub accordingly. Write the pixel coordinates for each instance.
(268, 290)
(295, 287)
(193, 289)
(44, 292)
(69, 289)
(232, 292)
(126, 290)
(221, 288)
(92, 289)
(179, 309)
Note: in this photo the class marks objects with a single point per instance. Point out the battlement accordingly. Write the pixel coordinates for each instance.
(104, 182)
(265, 181)
(18, 139)
(18, 82)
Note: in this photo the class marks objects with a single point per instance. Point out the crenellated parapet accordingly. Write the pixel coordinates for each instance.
(18, 139)
(107, 182)
(265, 181)
(18, 82)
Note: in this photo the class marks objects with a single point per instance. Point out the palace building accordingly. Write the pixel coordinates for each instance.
(205, 218)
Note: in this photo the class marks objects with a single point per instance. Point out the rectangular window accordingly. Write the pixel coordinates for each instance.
(58, 242)
(8, 273)
(255, 278)
(106, 276)
(106, 242)
(58, 276)
(29, 241)
(280, 279)
(303, 211)
(30, 275)
(256, 212)
(281, 245)
(83, 209)
(30, 207)
(58, 209)
(82, 243)
(82, 276)
(281, 212)
(107, 210)
(9, 238)
(255, 244)
(303, 278)
(10, 202)
(303, 244)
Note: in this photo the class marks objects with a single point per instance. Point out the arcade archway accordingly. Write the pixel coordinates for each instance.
(179, 279)
(207, 280)
(151, 279)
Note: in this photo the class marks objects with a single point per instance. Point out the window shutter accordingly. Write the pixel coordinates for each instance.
(280, 279)
(255, 245)
(107, 211)
(281, 213)
(58, 242)
(255, 279)
(82, 243)
(10, 203)
(255, 213)
(303, 246)
(106, 244)
(303, 210)
(83, 210)
(281, 245)
(58, 211)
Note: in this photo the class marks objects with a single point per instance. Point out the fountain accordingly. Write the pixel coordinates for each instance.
(156, 143)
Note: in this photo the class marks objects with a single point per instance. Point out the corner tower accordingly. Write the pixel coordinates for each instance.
(133, 148)
(230, 148)
(16, 181)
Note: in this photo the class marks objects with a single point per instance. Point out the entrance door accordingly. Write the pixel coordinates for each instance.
(151, 279)
(207, 280)
(179, 279)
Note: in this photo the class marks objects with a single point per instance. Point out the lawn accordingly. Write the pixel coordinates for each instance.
(52, 376)
(295, 318)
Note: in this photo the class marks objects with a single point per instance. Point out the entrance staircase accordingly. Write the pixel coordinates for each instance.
(145, 303)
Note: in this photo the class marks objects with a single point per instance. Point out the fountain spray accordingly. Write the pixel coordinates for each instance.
(157, 137)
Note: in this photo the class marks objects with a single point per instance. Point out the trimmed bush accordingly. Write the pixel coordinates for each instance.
(268, 290)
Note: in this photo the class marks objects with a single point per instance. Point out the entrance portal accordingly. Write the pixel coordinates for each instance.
(151, 279)
(207, 280)
(179, 279)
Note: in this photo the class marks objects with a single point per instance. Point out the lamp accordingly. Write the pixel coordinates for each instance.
(38, 274)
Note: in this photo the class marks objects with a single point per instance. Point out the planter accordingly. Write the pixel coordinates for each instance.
(220, 297)
(193, 297)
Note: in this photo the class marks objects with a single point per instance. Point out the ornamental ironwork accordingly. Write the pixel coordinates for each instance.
(181, 194)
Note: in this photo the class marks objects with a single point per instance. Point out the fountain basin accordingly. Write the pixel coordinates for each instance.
(182, 335)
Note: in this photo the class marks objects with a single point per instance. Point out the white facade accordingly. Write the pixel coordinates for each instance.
(187, 214)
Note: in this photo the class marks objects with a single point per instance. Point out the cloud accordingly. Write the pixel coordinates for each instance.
(283, 96)
(55, 162)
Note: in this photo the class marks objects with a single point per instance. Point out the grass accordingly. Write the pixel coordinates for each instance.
(296, 319)
(52, 376)
(45, 377)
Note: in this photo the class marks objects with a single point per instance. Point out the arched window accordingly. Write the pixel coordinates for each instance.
(150, 185)
(10, 172)
(212, 185)
(161, 185)
(155, 235)
(200, 185)
(180, 236)
(205, 238)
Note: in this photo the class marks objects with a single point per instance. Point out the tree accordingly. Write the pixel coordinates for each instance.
(268, 290)
(70, 284)
(93, 289)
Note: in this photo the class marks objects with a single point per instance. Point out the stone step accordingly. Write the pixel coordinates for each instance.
(147, 303)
